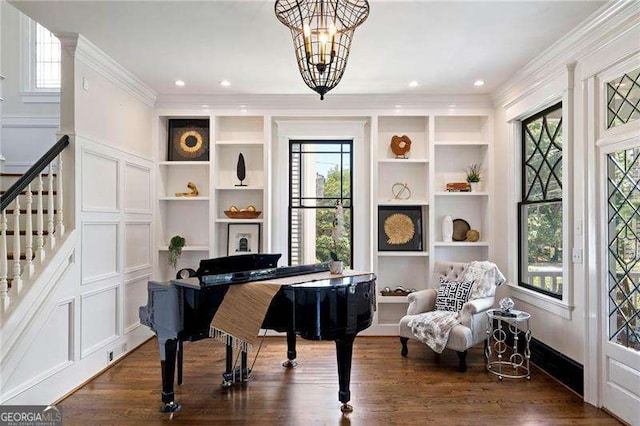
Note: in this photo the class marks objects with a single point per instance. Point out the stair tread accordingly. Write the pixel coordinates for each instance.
(21, 174)
(33, 211)
(33, 192)
(11, 232)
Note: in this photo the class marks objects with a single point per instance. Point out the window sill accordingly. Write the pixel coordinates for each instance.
(41, 97)
(542, 301)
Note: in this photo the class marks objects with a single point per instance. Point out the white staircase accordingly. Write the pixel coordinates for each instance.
(31, 225)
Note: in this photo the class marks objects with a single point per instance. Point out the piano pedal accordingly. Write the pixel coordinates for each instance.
(237, 376)
(170, 407)
(290, 363)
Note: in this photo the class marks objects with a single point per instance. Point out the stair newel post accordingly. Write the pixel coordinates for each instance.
(4, 267)
(16, 282)
(29, 234)
(50, 209)
(40, 223)
(59, 200)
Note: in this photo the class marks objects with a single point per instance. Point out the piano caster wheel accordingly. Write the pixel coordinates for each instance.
(346, 408)
(226, 384)
(170, 407)
(290, 363)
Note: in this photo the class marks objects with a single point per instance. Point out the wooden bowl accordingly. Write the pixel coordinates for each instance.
(242, 215)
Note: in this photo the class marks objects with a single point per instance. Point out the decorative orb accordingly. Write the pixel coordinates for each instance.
(506, 304)
(473, 235)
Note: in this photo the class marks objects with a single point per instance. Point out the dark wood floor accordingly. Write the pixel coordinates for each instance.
(386, 389)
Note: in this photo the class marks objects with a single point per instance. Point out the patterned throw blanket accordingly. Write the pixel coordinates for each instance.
(433, 328)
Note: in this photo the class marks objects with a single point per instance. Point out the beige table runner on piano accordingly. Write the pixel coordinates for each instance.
(244, 307)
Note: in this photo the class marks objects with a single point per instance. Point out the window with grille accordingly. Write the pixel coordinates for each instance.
(540, 213)
(47, 59)
(623, 246)
(623, 99)
(320, 176)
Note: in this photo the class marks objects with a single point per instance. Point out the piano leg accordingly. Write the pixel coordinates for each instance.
(228, 376)
(344, 352)
(291, 350)
(168, 349)
(180, 362)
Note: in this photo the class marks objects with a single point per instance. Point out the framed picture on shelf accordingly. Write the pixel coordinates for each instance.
(243, 238)
(188, 140)
(400, 228)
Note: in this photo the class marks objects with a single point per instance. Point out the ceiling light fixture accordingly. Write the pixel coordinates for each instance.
(322, 31)
(225, 83)
(478, 83)
(179, 83)
(413, 84)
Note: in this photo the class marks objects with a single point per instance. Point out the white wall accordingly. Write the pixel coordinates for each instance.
(91, 307)
(28, 129)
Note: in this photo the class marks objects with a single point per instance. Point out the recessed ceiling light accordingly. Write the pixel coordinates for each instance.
(179, 83)
(205, 106)
(413, 84)
(398, 106)
(478, 83)
(452, 105)
(243, 106)
(225, 83)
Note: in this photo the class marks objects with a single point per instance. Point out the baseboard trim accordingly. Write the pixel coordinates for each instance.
(559, 366)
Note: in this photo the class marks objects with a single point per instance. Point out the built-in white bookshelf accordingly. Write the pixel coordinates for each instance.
(201, 219)
(443, 146)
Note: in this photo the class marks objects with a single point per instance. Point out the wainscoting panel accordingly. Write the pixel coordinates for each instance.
(99, 251)
(99, 182)
(137, 189)
(55, 339)
(98, 319)
(135, 295)
(137, 246)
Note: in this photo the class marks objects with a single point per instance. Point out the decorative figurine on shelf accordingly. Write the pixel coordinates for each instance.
(175, 250)
(473, 235)
(400, 146)
(473, 177)
(241, 170)
(447, 229)
(193, 193)
(401, 191)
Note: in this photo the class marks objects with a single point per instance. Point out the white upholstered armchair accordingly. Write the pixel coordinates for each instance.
(473, 319)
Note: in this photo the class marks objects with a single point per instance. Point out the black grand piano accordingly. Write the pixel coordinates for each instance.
(336, 308)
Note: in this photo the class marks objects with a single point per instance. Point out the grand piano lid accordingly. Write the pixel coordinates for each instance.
(249, 276)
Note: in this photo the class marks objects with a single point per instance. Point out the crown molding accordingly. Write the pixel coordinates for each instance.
(91, 55)
(607, 24)
(331, 103)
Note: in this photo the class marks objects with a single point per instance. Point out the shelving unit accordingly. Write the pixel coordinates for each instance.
(201, 220)
(442, 147)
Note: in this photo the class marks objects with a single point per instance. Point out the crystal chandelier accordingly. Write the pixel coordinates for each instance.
(322, 31)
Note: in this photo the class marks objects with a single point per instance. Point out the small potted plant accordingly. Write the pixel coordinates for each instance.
(336, 266)
(175, 250)
(473, 176)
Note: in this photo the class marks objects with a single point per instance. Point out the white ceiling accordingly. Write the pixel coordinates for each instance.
(445, 46)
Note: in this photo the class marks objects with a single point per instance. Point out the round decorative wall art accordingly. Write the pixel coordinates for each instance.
(399, 229)
(191, 144)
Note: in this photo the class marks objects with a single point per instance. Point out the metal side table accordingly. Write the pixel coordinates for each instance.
(501, 361)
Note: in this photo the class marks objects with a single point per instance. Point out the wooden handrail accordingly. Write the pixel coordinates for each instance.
(33, 172)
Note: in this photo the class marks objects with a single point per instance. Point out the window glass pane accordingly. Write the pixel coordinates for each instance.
(623, 99)
(623, 184)
(47, 59)
(542, 246)
(320, 176)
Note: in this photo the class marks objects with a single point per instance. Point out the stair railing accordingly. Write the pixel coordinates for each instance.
(31, 183)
